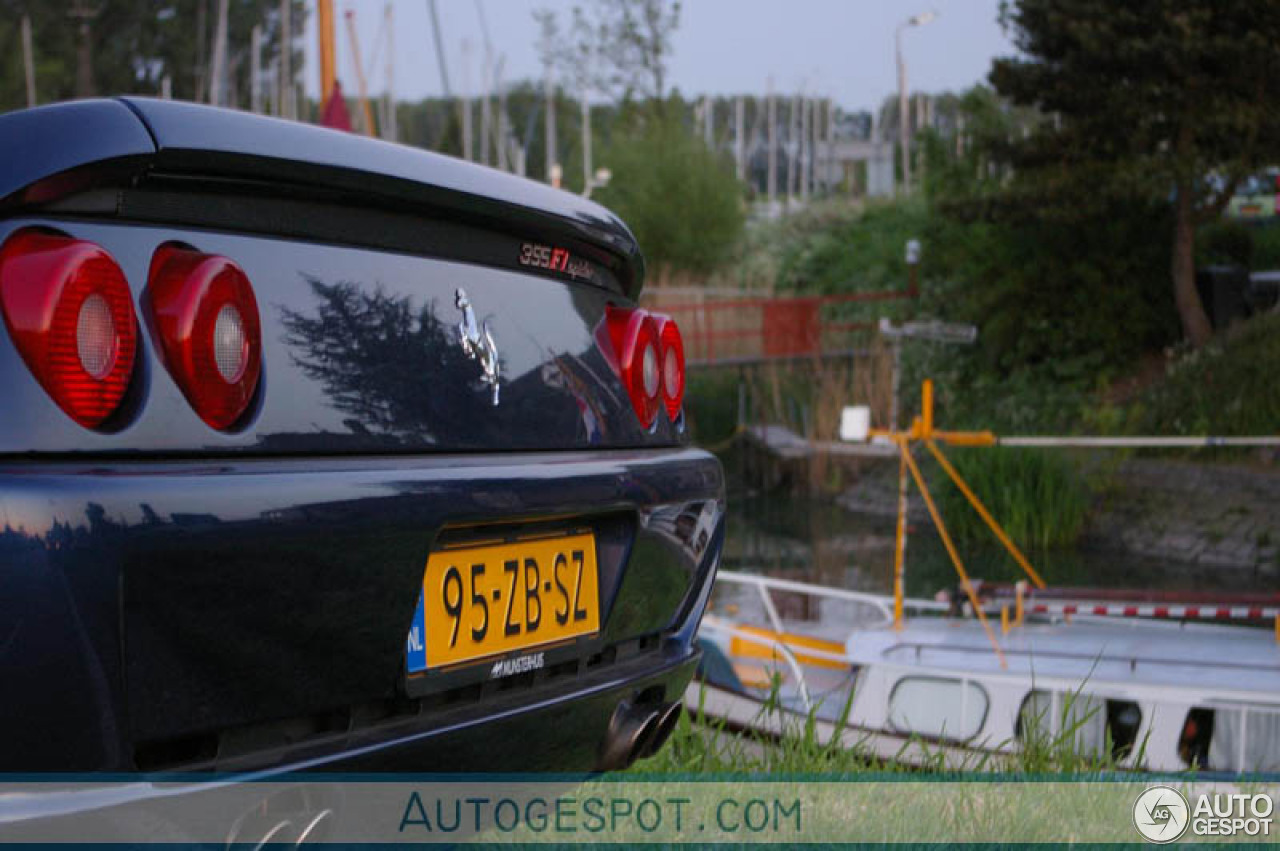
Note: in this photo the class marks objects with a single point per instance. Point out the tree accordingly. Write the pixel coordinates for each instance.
(134, 45)
(680, 198)
(617, 47)
(1176, 99)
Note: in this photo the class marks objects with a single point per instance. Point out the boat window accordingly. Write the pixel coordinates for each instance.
(1091, 721)
(938, 707)
(1197, 733)
(1245, 738)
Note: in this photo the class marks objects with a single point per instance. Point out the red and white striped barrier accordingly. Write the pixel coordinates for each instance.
(1201, 611)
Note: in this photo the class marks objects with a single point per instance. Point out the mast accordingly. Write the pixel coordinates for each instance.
(28, 61)
(389, 126)
(362, 88)
(217, 89)
(772, 109)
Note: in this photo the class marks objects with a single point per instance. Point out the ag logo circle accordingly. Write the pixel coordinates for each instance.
(1161, 814)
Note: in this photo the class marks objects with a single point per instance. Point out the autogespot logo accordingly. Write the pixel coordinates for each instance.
(1161, 814)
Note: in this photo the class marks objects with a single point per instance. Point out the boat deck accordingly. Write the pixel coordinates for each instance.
(1097, 650)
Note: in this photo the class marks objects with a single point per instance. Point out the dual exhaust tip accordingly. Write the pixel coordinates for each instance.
(637, 731)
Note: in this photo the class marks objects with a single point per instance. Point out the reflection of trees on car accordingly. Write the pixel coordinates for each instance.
(374, 353)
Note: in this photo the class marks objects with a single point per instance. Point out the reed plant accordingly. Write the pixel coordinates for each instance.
(1039, 496)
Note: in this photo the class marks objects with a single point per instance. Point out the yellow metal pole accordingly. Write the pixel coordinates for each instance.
(900, 542)
(984, 514)
(328, 65)
(1004, 620)
(955, 557)
(926, 408)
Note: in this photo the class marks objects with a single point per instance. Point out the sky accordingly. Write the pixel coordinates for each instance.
(843, 49)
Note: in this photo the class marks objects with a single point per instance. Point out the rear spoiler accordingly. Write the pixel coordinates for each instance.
(98, 147)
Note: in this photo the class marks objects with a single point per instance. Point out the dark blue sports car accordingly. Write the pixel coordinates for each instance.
(321, 452)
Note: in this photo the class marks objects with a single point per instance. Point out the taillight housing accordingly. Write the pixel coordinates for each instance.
(635, 343)
(671, 348)
(206, 318)
(69, 312)
(648, 353)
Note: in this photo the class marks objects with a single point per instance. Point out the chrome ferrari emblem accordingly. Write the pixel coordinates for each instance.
(478, 342)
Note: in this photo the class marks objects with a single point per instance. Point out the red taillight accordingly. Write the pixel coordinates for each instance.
(635, 343)
(207, 320)
(69, 312)
(671, 348)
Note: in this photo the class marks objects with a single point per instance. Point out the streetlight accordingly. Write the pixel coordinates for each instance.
(903, 118)
(599, 180)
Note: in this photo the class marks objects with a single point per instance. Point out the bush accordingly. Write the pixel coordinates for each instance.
(680, 198)
(1226, 388)
(1224, 243)
(1266, 246)
(851, 250)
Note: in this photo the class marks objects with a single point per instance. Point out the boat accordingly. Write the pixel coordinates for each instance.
(942, 688)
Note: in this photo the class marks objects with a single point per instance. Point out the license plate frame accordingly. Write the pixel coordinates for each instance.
(466, 617)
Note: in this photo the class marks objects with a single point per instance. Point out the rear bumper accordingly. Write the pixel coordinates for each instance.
(563, 733)
(218, 615)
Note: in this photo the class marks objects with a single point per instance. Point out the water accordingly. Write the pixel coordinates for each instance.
(815, 540)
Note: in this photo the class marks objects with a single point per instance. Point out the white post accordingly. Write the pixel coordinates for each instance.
(255, 68)
(586, 142)
(708, 121)
(833, 171)
(286, 107)
(793, 149)
(485, 118)
(903, 117)
(739, 137)
(502, 131)
(806, 146)
(166, 87)
(28, 61)
(550, 124)
(219, 56)
(389, 129)
(464, 101)
(772, 109)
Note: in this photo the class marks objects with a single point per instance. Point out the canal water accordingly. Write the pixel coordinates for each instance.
(818, 541)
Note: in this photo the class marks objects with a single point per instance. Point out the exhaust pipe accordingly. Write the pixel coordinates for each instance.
(636, 731)
(667, 722)
(630, 729)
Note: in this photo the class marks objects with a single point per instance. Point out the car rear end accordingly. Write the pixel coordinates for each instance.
(317, 452)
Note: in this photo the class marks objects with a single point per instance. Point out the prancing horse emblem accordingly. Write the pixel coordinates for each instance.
(477, 342)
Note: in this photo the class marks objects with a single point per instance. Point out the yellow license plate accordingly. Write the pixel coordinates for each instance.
(490, 599)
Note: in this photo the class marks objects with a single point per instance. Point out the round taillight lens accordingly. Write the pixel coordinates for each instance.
(230, 344)
(635, 343)
(672, 348)
(68, 309)
(210, 336)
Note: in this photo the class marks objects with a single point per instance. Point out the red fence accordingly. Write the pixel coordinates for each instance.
(745, 330)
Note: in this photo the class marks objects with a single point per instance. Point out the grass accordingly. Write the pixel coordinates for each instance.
(702, 744)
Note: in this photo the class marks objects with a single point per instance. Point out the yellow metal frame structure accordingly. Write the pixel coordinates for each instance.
(922, 431)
